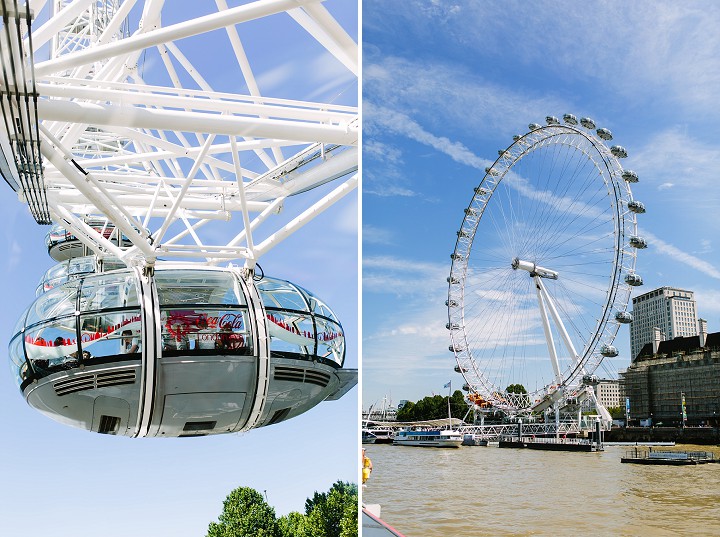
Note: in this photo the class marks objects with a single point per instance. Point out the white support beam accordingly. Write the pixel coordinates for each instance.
(79, 181)
(250, 262)
(558, 322)
(136, 43)
(54, 24)
(548, 332)
(328, 33)
(287, 230)
(145, 118)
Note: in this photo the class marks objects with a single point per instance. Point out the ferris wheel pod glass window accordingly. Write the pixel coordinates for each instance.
(291, 333)
(197, 287)
(210, 331)
(108, 291)
(281, 294)
(64, 272)
(55, 303)
(105, 335)
(18, 365)
(331, 340)
(52, 346)
(317, 305)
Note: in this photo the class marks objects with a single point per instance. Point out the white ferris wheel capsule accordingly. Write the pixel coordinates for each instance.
(163, 143)
(540, 302)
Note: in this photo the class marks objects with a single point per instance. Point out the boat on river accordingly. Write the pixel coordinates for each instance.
(430, 438)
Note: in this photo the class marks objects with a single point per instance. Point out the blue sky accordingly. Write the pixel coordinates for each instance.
(447, 84)
(62, 481)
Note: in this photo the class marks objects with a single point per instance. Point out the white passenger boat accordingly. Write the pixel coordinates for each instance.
(431, 438)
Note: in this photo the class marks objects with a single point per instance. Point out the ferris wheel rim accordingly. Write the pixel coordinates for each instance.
(623, 260)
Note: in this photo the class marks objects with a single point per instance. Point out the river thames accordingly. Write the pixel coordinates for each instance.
(477, 491)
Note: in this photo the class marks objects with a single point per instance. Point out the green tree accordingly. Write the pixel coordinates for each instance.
(326, 512)
(516, 388)
(245, 514)
(293, 525)
(332, 514)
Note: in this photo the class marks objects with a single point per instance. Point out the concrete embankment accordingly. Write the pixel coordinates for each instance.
(704, 436)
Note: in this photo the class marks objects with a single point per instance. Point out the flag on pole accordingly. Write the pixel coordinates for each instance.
(447, 385)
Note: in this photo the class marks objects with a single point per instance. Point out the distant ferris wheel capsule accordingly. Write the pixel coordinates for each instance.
(605, 134)
(587, 123)
(533, 126)
(570, 119)
(630, 176)
(552, 120)
(619, 151)
(637, 207)
(624, 317)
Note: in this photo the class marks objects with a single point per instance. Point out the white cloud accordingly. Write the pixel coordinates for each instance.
(673, 156)
(458, 97)
(376, 235)
(681, 257)
(673, 58)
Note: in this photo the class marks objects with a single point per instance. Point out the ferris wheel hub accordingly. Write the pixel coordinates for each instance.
(534, 269)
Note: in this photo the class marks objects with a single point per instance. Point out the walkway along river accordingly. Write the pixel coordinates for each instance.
(487, 491)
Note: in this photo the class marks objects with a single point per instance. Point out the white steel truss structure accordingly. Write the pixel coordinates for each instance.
(169, 122)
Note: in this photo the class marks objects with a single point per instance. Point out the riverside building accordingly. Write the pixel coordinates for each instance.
(608, 393)
(672, 310)
(666, 373)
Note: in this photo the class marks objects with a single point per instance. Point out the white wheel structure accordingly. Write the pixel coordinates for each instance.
(173, 144)
(543, 267)
(171, 121)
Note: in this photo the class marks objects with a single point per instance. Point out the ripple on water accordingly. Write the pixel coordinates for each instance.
(475, 491)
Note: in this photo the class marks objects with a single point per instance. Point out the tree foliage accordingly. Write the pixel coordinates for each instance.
(516, 388)
(331, 514)
(245, 513)
(434, 408)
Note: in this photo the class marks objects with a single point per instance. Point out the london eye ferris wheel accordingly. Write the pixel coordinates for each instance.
(543, 267)
(162, 145)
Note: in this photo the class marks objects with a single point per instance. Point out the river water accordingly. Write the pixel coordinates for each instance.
(478, 491)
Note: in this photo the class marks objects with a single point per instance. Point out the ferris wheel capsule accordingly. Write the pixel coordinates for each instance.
(619, 151)
(516, 137)
(459, 369)
(637, 207)
(588, 123)
(624, 317)
(491, 171)
(630, 176)
(181, 352)
(570, 119)
(633, 279)
(605, 134)
(609, 351)
(533, 126)
(638, 242)
(552, 120)
(452, 326)
(466, 387)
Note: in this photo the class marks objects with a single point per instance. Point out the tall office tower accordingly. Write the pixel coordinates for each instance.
(671, 310)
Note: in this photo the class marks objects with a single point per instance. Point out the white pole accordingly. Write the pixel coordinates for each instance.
(214, 21)
(181, 121)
